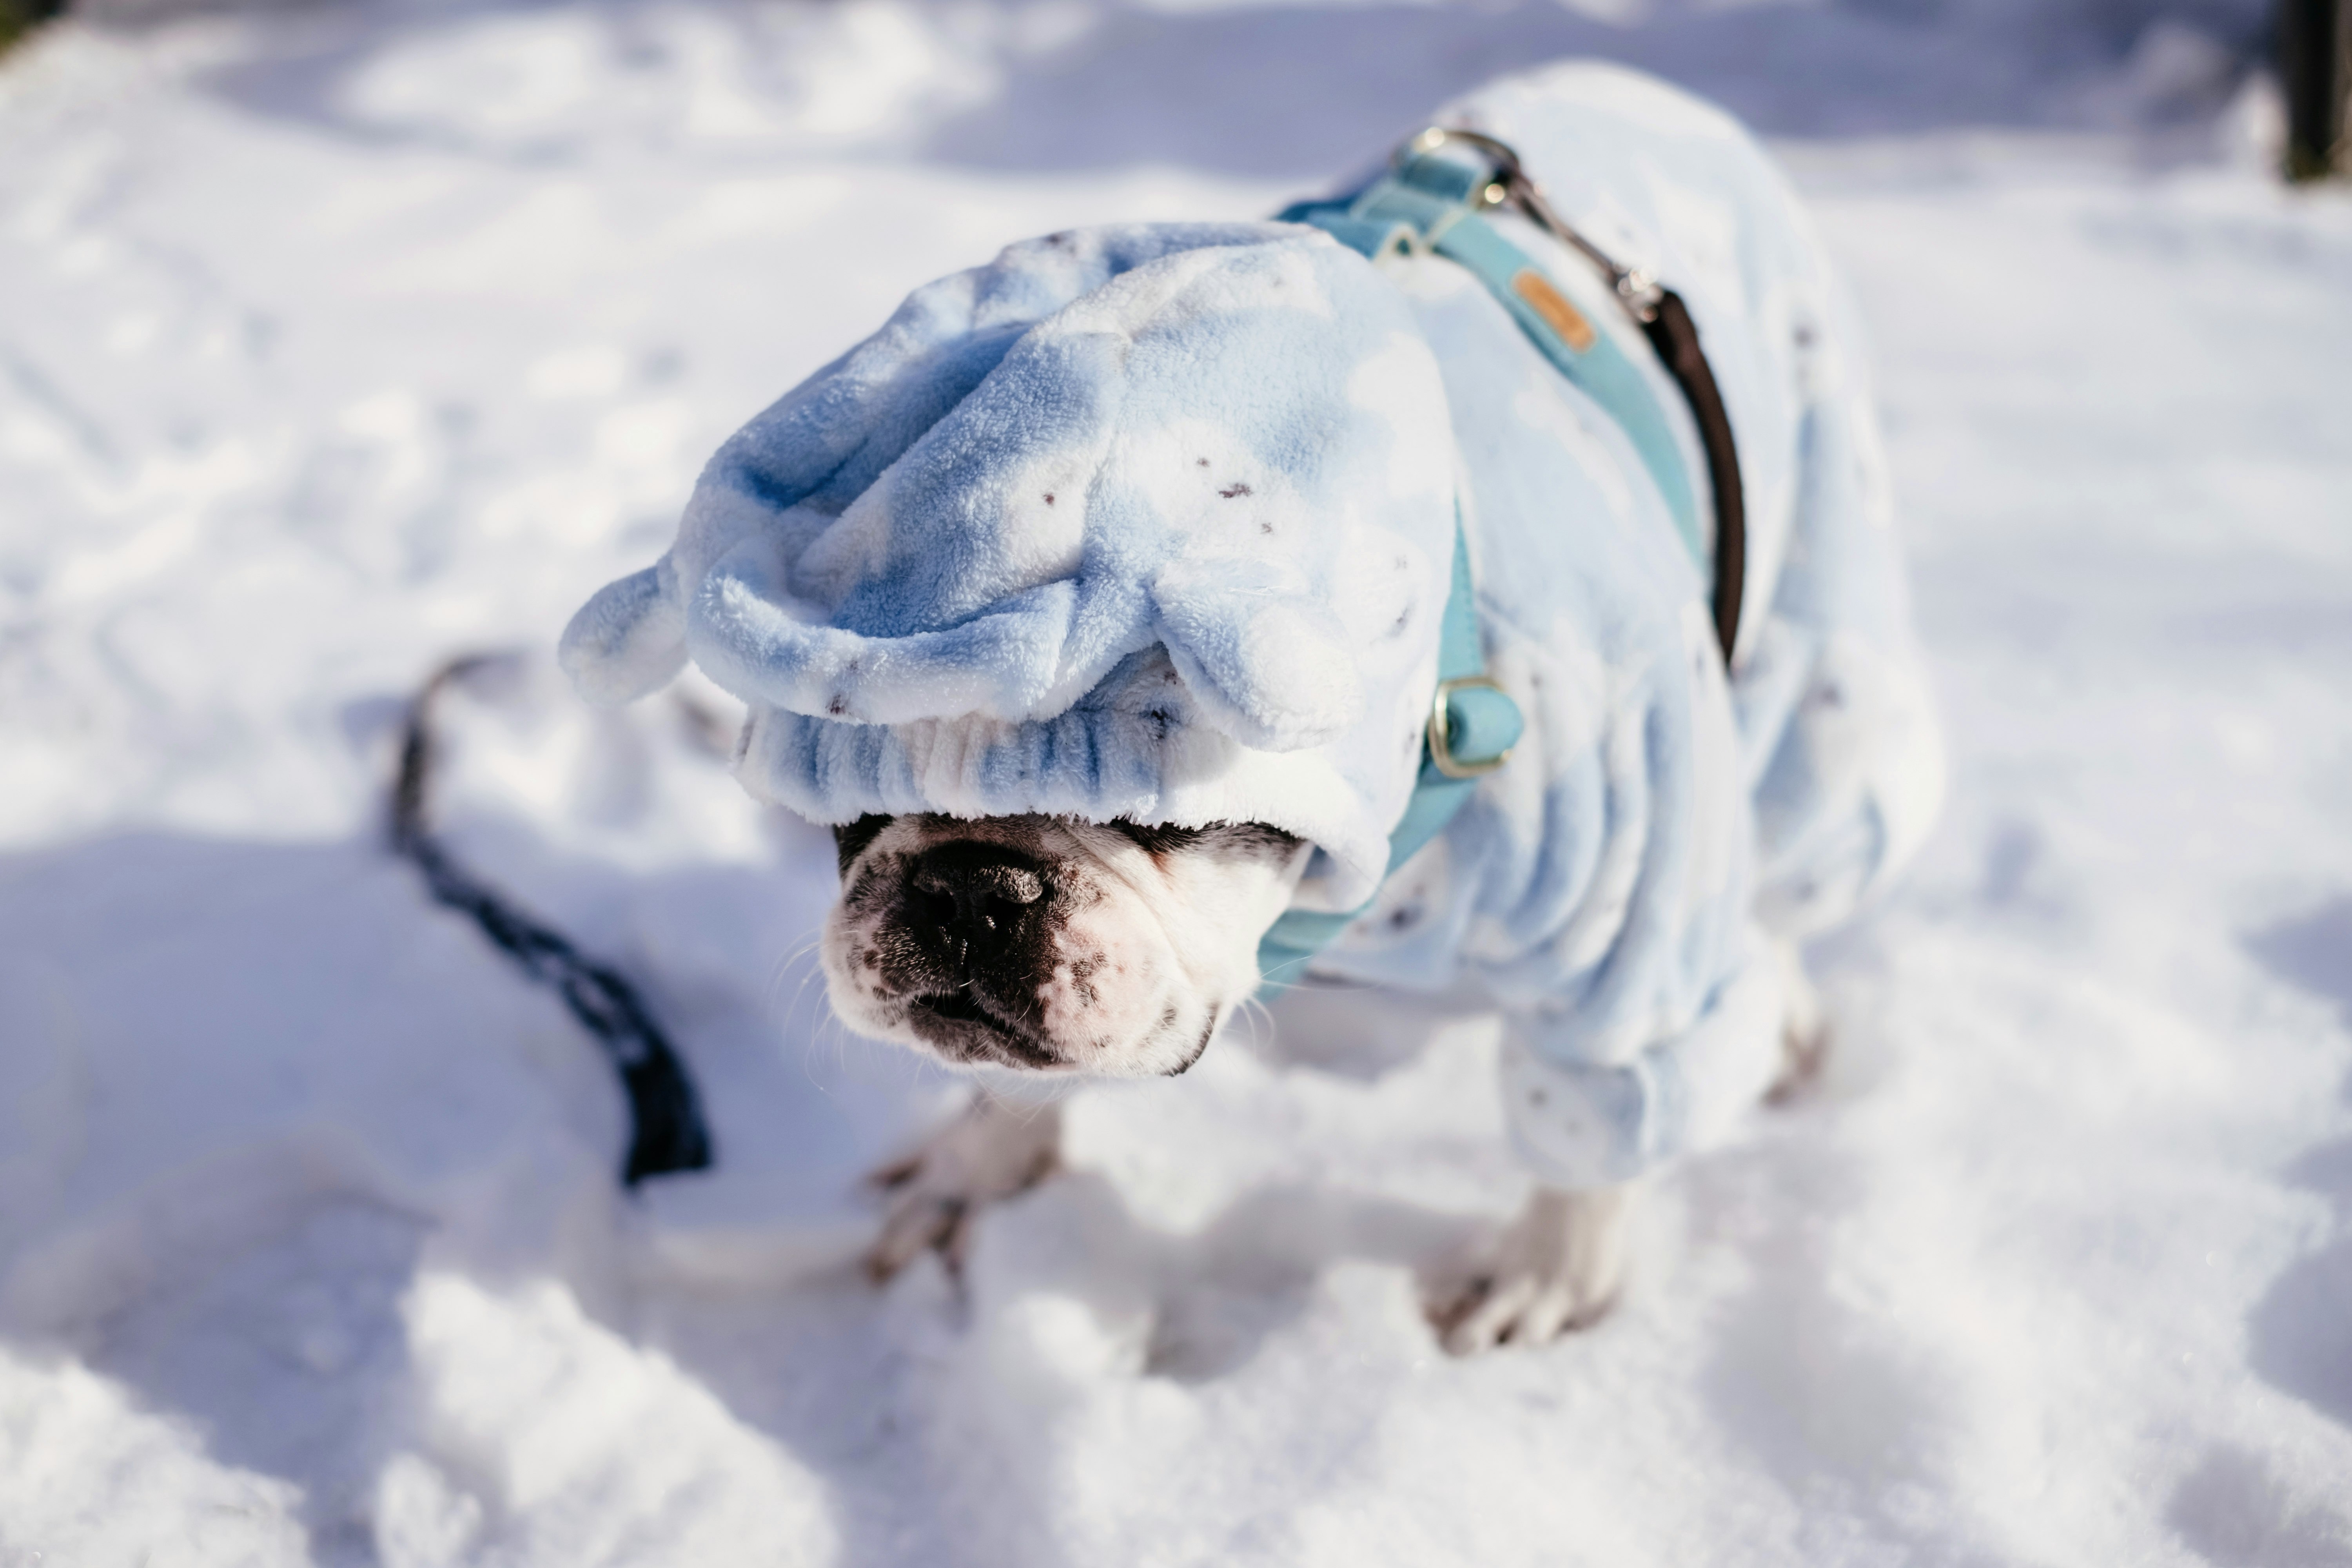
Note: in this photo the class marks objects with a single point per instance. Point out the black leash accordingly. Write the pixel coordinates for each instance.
(667, 1132)
(1675, 336)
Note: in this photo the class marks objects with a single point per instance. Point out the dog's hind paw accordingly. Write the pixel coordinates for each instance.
(1805, 1031)
(1558, 1267)
(989, 1153)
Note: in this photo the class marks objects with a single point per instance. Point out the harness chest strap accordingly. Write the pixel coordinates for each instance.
(1473, 725)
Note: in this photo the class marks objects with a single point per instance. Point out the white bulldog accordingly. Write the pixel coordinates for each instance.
(1104, 598)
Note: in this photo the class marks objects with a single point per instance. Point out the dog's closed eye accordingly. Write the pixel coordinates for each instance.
(1161, 839)
(1241, 837)
(1250, 840)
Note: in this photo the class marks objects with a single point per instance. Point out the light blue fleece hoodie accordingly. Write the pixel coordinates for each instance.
(1156, 522)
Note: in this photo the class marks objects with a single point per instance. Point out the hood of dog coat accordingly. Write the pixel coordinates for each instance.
(1152, 522)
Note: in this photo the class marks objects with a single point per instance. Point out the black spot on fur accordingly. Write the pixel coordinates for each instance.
(1180, 1068)
(1049, 497)
(1161, 720)
(1081, 973)
(1201, 462)
(1236, 488)
(851, 838)
(873, 885)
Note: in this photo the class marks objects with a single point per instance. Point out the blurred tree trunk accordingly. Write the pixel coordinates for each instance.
(17, 16)
(2316, 65)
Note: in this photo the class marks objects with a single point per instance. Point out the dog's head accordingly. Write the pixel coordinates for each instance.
(1052, 945)
(1152, 520)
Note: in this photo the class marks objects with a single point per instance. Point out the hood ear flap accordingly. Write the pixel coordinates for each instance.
(1275, 670)
(628, 640)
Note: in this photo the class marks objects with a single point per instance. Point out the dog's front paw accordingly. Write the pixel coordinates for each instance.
(992, 1150)
(1557, 1268)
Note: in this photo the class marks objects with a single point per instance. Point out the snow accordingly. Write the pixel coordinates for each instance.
(336, 342)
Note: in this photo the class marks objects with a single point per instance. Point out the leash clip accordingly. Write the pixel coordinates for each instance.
(1511, 185)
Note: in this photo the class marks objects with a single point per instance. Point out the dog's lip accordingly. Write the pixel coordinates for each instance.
(963, 1005)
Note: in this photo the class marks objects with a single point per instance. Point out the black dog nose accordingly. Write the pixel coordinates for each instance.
(973, 898)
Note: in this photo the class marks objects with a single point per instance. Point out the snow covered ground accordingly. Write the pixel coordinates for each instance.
(336, 342)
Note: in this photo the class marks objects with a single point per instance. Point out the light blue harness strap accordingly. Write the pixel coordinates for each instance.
(1431, 204)
(1425, 204)
(1480, 725)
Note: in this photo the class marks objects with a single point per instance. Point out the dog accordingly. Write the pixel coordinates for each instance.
(1122, 604)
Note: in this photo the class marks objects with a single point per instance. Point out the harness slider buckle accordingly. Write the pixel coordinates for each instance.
(1441, 730)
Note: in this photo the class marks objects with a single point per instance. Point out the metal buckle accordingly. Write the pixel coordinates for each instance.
(1441, 731)
(1635, 289)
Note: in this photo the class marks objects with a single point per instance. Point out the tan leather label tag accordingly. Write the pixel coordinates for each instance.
(1549, 302)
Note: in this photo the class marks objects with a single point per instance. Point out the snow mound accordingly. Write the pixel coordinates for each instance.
(338, 342)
